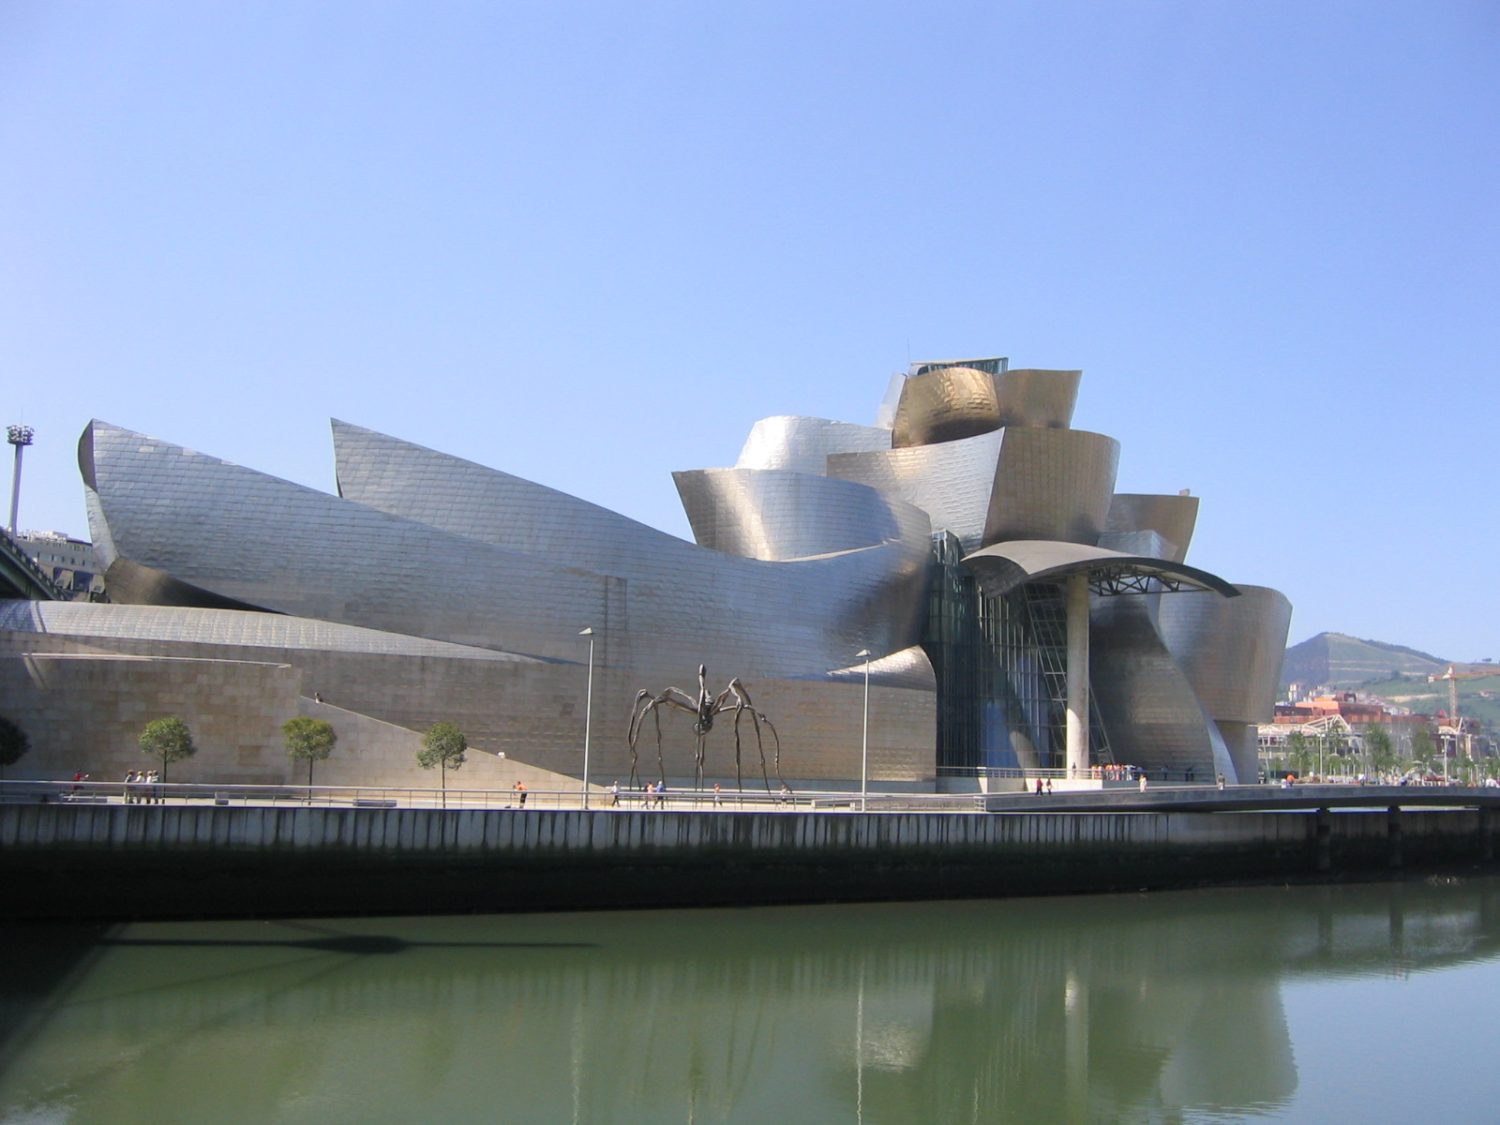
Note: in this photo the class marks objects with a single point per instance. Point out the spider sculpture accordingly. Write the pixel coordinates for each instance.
(703, 709)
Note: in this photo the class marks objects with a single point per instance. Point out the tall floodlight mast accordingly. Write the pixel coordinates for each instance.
(20, 437)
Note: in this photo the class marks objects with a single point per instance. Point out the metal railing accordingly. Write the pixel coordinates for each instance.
(197, 794)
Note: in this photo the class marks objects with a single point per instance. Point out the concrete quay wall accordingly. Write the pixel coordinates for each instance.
(116, 861)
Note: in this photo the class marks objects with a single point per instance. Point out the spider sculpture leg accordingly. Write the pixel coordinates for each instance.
(637, 714)
(647, 704)
(743, 704)
(775, 738)
(755, 720)
(661, 766)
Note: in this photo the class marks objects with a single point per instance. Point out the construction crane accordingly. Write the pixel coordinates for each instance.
(1453, 675)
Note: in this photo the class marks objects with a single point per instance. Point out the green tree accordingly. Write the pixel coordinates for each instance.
(1380, 750)
(1423, 749)
(443, 749)
(168, 739)
(309, 739)
(13, 744)
(1335, 749)
(1298, 753)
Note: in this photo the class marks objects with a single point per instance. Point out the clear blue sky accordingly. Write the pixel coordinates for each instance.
(592, 243)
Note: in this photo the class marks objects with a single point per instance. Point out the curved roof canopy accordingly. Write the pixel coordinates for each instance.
(1004, 566)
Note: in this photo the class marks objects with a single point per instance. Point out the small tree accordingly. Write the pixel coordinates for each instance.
(1298, 753)
(309, 739)
(443, 748)
(1381, 751)
(1335, 747)
(13, 744)
(1423, 749)
(168, 739)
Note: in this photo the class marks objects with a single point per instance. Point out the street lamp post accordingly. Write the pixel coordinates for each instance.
(588, 714)
(864, 742)
(20, 437)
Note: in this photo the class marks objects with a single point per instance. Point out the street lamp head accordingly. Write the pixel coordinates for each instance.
(863, 654)
(19, 435)
(589, 632)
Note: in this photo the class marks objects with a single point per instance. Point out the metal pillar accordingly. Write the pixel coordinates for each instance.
(20, 437)
(588, 713)
(864, 741)
(1078, 674)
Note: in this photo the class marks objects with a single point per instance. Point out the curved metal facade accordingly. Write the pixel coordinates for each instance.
(1030, 396)
(772, 515)
(1052, 484)
(945, 405)
(952, 482)
(1171, 517)
(1146, 700)
(433, 587)
(1231, 649)
(803, 445)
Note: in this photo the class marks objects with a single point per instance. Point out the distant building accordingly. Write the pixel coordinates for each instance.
(72, 564)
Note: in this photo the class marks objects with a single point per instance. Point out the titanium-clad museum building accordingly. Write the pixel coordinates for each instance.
(1016, 610)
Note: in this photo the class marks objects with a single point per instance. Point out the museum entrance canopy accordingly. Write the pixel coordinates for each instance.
(1003, 567)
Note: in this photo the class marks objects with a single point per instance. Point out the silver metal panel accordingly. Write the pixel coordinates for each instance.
(952, 481)
(1030, 396)
(945, 405)
(1147, 704)
(1171, 517)
(1230, 649)
(767, 514)
(1052, 484)
(450, 494)
(1147, 544)
(666, 603)
(803, 445)
(236, 628)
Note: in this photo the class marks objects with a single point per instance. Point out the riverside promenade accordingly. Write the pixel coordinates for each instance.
(189, 858)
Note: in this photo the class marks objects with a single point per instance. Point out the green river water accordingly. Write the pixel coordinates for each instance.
(1319, 1004)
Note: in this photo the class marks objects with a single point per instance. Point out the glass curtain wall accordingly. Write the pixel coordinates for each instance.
(1002, 672)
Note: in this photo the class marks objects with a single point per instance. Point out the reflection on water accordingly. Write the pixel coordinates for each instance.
(1150, 1007)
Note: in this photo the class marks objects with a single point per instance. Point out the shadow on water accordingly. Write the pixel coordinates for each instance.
(39, 962)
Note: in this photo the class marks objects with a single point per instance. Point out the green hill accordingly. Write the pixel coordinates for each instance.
(1394, 673)
(1342, 661)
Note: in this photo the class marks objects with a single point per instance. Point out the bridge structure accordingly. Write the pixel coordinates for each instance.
(21, 577)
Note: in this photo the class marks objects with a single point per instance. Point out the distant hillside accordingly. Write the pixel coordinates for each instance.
(1478, 698)
(1341, 661)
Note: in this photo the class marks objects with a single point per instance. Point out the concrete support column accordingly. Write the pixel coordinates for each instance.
(1078, 674)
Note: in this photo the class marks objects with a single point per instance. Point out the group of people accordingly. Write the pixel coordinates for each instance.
(142, 787)
(654, 795)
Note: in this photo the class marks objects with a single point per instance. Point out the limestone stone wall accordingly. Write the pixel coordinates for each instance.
(87, 712)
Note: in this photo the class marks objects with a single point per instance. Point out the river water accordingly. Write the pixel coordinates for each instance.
(1320, 1004)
